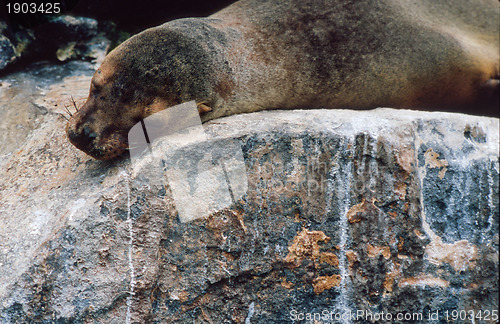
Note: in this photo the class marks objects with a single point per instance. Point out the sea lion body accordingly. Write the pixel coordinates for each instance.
(256, 55)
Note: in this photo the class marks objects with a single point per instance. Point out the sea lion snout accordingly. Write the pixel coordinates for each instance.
(102, 142)
(83, 137)
(102, 147)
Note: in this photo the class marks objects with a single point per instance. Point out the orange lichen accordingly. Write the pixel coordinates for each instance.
(389, 281)
(323, 283)
(400, 189)
(305, 246)
(351, 258)
(362, 211)
(393, 214)
(431, 161)
(286, 284)
(373, 251)
(401, 243)
(353, 213)
(329, 258)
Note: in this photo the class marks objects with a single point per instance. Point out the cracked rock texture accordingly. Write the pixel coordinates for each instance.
(380, 211)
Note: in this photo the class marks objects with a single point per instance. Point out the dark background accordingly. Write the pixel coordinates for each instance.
(131, 16)
(34, 37)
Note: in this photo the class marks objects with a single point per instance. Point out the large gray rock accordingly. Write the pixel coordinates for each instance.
(376, 211)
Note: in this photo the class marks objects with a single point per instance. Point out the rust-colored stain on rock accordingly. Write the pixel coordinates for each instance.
(330, 258)
(389, 281)
(305, 246)
(361, 211)
(431, 161)
(373, 251)
(286, 284)
(323, 283)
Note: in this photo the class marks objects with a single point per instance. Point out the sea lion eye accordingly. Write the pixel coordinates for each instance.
(95, 86)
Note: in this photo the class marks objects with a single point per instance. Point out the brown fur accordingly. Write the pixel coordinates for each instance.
(256, 55)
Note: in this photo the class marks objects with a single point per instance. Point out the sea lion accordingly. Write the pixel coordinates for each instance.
(277, 54)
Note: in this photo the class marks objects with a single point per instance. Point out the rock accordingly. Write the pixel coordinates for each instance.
(62, 37)
(7, 52)
(65, 28)
(67, 36)
(345, 213)
(15, 43)
(26, 96)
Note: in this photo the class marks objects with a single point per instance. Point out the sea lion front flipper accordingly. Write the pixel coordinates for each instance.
(202, 108)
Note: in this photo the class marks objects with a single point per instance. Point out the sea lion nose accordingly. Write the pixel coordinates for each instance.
(89, 133)
(82, 137)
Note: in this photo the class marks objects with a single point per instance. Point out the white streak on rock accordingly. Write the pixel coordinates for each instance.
(130, 247)
(251, 311)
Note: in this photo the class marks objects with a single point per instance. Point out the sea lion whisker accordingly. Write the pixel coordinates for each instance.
(74, 103)
(67, 110)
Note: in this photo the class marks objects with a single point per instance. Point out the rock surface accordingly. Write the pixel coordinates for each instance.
(346, 211)
(59, 38)
(27, 96)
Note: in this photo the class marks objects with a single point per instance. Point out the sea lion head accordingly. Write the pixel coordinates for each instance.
(99, 128)
(149, 72)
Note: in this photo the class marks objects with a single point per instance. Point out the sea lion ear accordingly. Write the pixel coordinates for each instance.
(202, 108)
